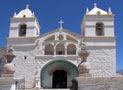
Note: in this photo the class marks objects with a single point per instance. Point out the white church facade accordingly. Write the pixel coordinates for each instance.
(51, 60)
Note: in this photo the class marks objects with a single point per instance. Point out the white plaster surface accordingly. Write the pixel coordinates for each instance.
(102, 56)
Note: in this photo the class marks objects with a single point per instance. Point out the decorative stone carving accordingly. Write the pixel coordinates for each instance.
(9, 67)
(37, 76)
(84, 66)
(37, 82)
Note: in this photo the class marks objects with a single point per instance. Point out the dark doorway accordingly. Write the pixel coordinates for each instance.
(60, 79)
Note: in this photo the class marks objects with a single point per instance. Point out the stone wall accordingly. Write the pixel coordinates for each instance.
(10, 83)
(102, 62)
(111, 83)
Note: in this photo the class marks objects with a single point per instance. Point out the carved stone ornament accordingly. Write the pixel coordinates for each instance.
(9, 67)
(9, 55)
(84, 66)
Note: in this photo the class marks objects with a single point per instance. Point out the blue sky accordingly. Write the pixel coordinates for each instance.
(49, 13)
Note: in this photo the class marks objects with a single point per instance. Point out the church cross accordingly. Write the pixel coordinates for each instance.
(61, 24)
(27, 6)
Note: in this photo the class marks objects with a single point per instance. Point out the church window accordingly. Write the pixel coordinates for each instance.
(61, 37)
(22, 30)
(99, 29)
(60, 49)
(49, 49)
(71, 49)
(24, 16)
(98, 12)
(25, 57)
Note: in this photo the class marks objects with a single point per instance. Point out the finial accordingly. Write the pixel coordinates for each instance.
(87, 10)
(27, 6)
(61, 24)
(33, 13)
(109, 11)
(15, 14)
(95, 5)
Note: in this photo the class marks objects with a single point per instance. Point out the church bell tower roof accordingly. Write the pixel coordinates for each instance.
(24, 13)
(96, 11)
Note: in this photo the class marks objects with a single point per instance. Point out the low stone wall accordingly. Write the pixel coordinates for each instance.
(10, 83)
(84, 83)
(105, 83)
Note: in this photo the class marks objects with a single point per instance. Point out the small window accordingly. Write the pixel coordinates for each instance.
(71, 49)
(25, 57)
(24, 16)
(98, 12)
(22, 30)
(49, 49)
(60, 49)
(99, 29)
(61, 37)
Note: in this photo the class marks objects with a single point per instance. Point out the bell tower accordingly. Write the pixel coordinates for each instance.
(98, 23)
(98, 34)
(24, 28)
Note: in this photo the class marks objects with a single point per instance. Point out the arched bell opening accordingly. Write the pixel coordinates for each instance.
(22, 29)
(58, 74)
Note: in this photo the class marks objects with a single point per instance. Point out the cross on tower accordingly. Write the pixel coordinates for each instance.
(95, 5)
(61, 24)
(27, 6)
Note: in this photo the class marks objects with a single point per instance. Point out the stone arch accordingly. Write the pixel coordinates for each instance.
(22, 29)
(71, 49)
(70, 38)
(50, 38)
(99, 29)
(49, 49)
(60, 49)
(48, 69)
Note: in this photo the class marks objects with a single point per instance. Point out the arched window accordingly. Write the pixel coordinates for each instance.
(71, 49)
(60, 49)
(99, 29)
(49, 49)
(22, 30)
(61, 37)
(98, 12)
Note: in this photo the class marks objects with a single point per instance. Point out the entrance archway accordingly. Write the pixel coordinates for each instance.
(54, 70)
(59, 79)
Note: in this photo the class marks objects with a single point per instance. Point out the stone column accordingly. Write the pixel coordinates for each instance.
(54, 50)
(65, 50)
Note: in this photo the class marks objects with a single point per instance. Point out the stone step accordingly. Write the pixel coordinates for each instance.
(54, 89)
(46, 89)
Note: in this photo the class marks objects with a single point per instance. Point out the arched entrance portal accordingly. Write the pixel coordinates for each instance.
(59, 79)
(58, 74)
